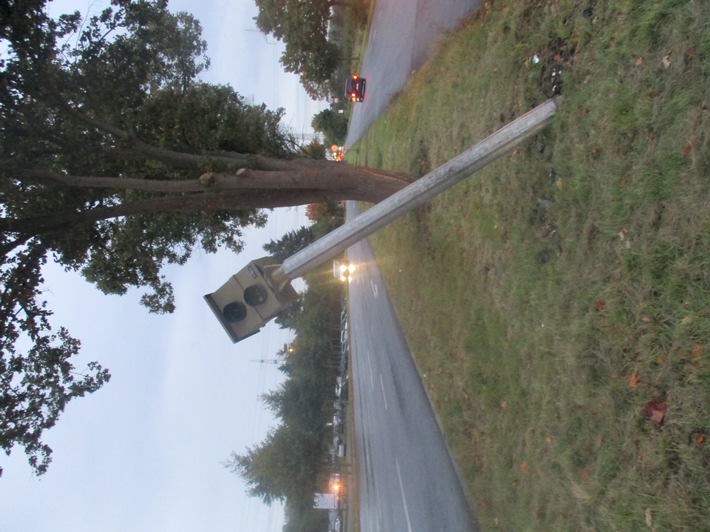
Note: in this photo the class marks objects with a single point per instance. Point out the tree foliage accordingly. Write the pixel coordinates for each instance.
(114, 162)
(36, 383)
(303, 404)
(290, 244)
(278, 466)
(303, 26)
(332, 124)
(329, 214)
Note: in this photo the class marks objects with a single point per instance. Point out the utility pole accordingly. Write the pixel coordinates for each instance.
(261, 290)
(416, 194)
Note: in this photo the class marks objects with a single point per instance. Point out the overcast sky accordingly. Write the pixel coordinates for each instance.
(144, 453)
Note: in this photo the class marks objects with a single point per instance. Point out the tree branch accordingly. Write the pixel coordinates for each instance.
(229, 201)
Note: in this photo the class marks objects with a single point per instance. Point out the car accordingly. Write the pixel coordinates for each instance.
(339, 446)
(344, 337)
(355, 88)
(341, 386)
(341, 390)
(343, 270)
(343, 366)
(344, 318)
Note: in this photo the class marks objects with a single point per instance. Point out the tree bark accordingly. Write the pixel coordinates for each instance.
(243, 190)
(300, 174)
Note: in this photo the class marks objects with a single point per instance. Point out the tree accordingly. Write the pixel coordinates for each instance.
(303, 403)
(314, 149)
(115, 162)
(35, 385)
(333, 125)
(279, 465)
(303, 26)
(290, 244)
(314, 62)
(328, 213)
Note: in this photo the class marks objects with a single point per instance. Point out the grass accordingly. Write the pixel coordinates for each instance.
(549, 299)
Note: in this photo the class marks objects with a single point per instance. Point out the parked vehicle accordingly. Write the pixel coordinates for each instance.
(339, 446)
(341, 383)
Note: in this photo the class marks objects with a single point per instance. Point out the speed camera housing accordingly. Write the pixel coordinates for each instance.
(249, 299)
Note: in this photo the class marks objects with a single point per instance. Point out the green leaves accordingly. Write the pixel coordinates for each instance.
(37, 378)
(302, 25)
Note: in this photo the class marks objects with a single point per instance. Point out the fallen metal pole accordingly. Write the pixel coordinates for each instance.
(414, 195)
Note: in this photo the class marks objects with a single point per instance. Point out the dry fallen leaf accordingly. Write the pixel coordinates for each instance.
(667, 58)
(634, 380)
(699, 438)
(658, 416)
(639, 61)
(600, 304)
(697, 350)
(685, 150)
(656, 411)
(523, 466)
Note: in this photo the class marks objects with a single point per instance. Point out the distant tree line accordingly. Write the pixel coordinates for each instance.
(286, 466)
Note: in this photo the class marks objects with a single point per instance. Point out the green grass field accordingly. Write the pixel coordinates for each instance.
(558, 302)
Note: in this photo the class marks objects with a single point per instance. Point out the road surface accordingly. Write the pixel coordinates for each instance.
(407, 480)
(401, 38)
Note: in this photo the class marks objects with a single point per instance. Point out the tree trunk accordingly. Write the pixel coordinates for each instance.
(361, 183)
(244, 182)
(309, 181)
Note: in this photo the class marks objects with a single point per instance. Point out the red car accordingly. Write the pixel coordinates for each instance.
(355, 88)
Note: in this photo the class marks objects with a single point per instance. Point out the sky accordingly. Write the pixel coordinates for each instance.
(145, 452)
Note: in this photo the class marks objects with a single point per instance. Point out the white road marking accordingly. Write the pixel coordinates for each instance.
(404, 499)
(369, 364)
(374, 288)
(384, 396)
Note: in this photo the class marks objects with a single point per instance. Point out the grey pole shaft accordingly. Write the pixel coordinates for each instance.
(417, 193)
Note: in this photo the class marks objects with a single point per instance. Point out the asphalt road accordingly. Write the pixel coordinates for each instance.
(407, 480)
(401, 38)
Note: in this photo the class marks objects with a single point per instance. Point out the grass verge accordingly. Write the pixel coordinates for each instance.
(558, 303)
